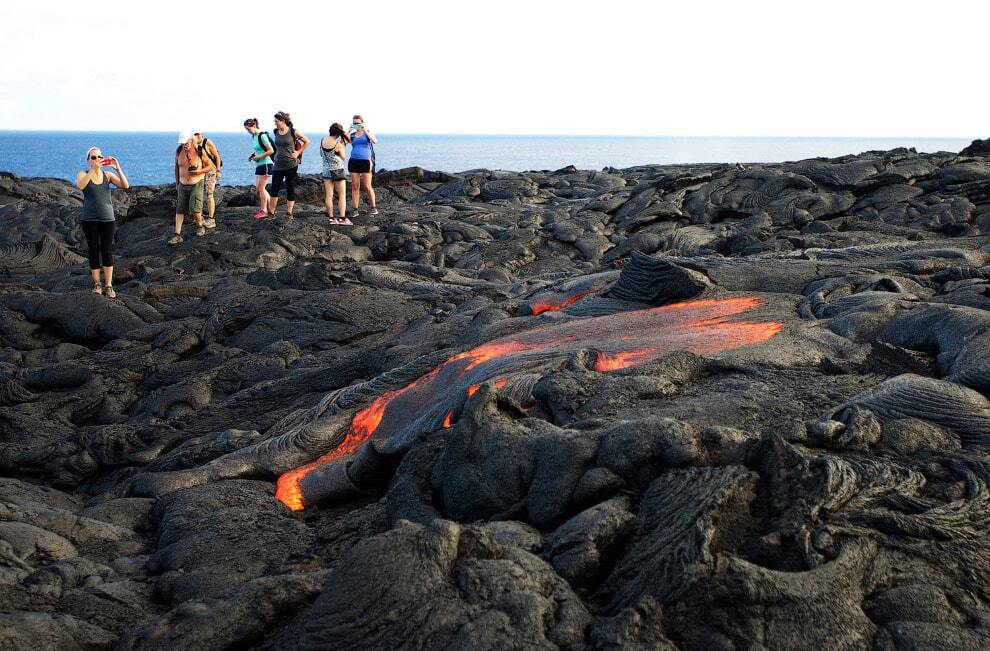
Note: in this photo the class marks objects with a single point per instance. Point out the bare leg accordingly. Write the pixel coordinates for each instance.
(366, 182)
(261, 183)
(95, 273)
(179, 217)
(328, 197)
(211, 205)
(341, 187)
(198, 216)
(290, 204)
(272, 203)
(107, 274)
(355, 191)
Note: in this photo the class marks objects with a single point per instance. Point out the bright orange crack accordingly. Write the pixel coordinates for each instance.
(622, 340)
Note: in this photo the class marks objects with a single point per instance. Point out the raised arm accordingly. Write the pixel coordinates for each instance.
(371, 137)
(83, 179)
(118, 179)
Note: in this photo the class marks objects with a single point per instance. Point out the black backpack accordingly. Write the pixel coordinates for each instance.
(271, 141)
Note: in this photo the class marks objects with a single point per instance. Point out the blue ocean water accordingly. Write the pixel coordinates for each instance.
(147, 157)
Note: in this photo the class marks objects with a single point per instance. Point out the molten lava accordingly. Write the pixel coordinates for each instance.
(622, 340)
(554, 303)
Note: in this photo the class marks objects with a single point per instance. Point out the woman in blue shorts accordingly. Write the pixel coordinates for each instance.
(360, 165)
(264, 149)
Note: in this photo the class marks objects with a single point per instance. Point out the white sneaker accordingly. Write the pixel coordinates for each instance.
(210, 223)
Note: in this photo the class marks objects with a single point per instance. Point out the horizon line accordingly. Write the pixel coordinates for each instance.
(536, 135)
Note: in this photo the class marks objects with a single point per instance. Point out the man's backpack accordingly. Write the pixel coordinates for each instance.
(218, 161)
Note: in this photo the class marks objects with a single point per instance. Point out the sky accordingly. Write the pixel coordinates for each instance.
(869, 68)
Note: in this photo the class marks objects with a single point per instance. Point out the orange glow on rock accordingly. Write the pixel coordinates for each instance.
(622, 340)
(539, 306)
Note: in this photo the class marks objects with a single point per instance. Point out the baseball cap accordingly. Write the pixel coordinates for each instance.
(184, 136)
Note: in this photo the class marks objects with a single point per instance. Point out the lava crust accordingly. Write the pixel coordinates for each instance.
(677, 407)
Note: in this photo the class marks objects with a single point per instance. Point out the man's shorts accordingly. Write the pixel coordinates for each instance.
(190, 200)
(211, 183)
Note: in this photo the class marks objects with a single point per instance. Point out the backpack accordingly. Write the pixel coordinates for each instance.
(218, 161)
(271, 141)
(298, 142)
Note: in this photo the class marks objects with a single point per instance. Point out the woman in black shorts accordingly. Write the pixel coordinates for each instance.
(332, 151)
(97, 217)
(287, 156)
(361, 164)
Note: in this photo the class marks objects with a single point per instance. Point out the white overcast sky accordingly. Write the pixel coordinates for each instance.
(723, 68)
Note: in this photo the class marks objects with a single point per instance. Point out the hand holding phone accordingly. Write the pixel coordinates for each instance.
(108, 161)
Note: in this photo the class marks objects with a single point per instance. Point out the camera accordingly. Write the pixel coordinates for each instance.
(192, 168)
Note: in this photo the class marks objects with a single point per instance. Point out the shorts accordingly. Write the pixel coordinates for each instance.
(190, 200)
(264, 170)
(211, 183)
(358, 166)
(334, 175)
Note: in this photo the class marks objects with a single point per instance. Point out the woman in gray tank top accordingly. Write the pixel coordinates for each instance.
(287, 159)
(97, 219)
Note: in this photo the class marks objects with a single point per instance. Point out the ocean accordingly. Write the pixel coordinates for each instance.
(147, 157)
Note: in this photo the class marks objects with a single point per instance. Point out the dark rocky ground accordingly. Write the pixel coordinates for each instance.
(819, 483)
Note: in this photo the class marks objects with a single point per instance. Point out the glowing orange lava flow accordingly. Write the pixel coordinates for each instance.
(621, 340)
(539, 306)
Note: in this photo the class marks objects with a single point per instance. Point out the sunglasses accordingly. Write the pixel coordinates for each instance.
(95, 157)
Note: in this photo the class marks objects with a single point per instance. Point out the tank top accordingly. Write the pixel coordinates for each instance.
(361, 147)
(331, 162)
(284, 146)
(97, 206)
(259, 149)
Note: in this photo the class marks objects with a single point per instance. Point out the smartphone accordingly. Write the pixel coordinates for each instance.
(109, 160)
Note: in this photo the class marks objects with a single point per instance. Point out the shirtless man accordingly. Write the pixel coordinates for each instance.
(191, 167)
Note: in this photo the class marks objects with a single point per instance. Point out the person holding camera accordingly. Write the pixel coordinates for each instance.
(191, 168)
(97, 218)
(361, 165)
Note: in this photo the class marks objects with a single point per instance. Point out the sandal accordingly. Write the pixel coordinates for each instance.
(110, 292)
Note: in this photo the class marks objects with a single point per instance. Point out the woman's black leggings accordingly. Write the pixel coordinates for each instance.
(99, 237)
(289, 176)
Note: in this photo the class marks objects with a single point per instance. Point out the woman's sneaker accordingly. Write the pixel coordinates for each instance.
(261, 214)
(176, 239)
(345, 222)
(110, 292)
(334, 221)
(374, 211)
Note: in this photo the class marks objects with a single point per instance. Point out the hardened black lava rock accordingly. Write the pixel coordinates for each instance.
(663, 407)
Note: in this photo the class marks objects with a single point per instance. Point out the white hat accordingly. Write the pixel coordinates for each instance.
(184, 136)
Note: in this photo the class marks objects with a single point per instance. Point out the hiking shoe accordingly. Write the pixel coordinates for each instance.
(176, 239)
(200, 231)
(261, 214)
(210, 223)
(110, 292)
(374, 211)
(345, 222)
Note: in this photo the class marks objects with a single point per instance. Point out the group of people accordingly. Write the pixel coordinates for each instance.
(277, 157)
(198, 166)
